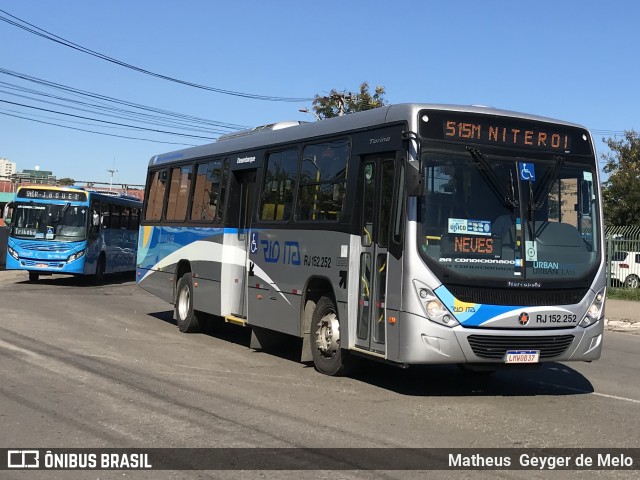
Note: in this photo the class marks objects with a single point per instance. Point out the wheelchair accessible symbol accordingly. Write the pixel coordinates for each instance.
(254, 242)
(527, 172)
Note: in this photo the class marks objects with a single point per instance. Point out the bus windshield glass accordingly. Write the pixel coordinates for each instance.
(507, 217)
(55, 222)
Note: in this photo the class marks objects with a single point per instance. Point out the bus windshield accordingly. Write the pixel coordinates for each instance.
(511, 218)
(54, 222)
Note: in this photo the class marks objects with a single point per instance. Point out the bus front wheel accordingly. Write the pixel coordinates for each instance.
(328, 357)
(185, 315)
(34, 276)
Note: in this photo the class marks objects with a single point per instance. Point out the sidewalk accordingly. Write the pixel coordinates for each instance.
(622, 316)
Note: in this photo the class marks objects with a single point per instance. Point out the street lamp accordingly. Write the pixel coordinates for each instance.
(306, 110)
(111, 171)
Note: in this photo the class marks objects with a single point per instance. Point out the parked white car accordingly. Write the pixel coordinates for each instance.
(625, 269)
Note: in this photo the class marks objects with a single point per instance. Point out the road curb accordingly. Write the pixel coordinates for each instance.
(624, 325)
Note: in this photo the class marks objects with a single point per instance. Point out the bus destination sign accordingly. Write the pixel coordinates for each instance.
(492, 130)
(52, 194)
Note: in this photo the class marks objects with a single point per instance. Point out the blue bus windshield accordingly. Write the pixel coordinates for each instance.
(53, 222)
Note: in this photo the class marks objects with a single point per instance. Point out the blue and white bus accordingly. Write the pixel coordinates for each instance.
(410, 234)
(72, 230)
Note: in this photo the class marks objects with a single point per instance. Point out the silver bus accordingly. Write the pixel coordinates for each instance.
(411, 234)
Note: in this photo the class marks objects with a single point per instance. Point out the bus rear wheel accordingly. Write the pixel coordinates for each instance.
(34, 276)
(328, 356)
(185, 315)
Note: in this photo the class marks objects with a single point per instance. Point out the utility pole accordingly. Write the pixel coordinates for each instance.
(340, 98)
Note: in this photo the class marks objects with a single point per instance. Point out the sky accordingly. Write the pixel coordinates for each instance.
(575, 60)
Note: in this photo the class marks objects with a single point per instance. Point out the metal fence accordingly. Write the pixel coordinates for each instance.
(623, 256)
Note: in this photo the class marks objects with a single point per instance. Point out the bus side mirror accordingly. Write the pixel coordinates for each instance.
(8, 211)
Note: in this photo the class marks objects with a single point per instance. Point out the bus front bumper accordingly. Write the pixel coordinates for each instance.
(73, 267)
(422, 341)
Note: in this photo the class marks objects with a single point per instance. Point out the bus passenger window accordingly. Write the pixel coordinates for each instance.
(178, 193)
(279, 184)
(157, 187)
(323, 181)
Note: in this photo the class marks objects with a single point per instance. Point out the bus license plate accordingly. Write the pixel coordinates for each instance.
(42, 265)
(522, 356)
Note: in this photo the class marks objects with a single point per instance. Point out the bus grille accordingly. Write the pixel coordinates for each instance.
(45, 247)
(494, 347)
(530, 298)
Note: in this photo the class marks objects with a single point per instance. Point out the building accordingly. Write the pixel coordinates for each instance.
(36, 177)
(7, 169)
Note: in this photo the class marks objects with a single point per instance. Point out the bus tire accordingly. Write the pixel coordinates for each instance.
(185, 315)
(328, 356)
(33, 277)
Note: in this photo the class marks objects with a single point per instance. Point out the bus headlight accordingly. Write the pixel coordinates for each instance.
(75, 256)
(13, 253)
(433, 307)
(594, 312)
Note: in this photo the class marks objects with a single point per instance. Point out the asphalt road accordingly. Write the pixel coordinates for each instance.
(87, 366)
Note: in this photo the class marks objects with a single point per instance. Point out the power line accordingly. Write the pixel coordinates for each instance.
(24, 25)
(124, 114)
(98, 133)
(106, 121)
(103, 98)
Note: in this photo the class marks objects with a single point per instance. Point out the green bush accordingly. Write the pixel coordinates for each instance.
(624, 293)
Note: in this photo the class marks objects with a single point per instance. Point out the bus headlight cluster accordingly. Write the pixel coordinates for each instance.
(594, 312)
(75, 256)
(433, 307)
(13, 253)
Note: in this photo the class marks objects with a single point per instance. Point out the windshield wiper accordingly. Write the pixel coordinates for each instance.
(536, 201)
(547, 182)
(507, 198)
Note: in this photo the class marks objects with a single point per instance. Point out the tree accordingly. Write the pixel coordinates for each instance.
(66, 181)
(621, 192)
(338, 103)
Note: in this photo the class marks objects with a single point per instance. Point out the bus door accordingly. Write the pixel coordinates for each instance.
(377, 178)
(247, 184)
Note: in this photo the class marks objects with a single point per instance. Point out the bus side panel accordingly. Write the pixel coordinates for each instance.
(158, 283)
(161, 248)
(119, 246)
(281, 263)
(206, 295)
